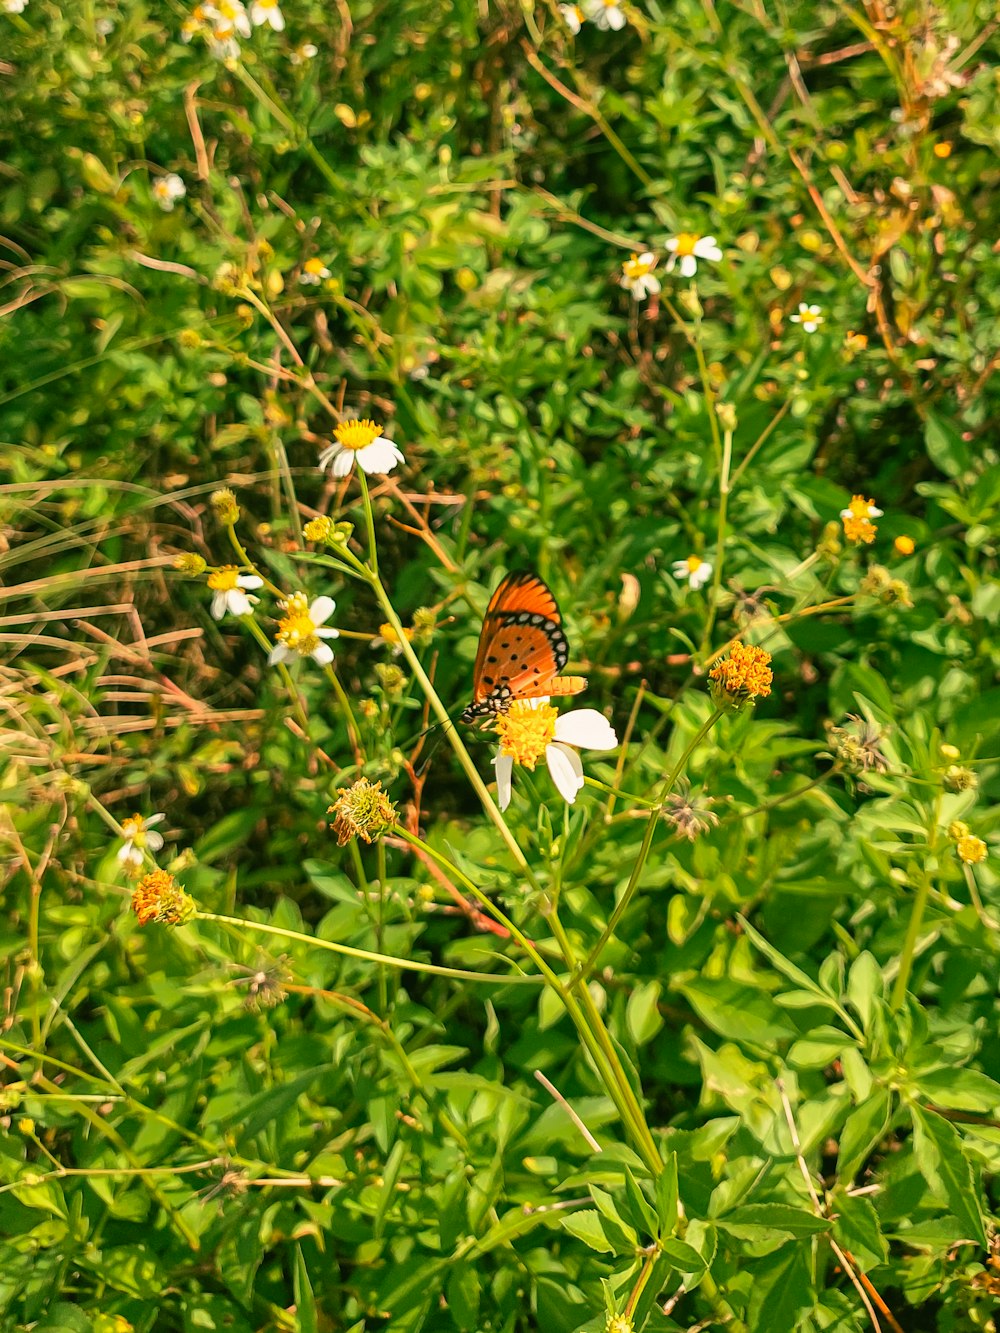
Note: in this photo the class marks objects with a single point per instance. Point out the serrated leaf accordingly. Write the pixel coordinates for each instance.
(938, 1151)
(586, 1226)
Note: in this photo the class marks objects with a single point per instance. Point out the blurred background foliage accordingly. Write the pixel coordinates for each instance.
(290, 1139)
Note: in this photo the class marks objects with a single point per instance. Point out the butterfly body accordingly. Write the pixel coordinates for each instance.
(522, 649)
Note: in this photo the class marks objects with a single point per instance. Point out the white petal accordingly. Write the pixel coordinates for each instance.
(680, 569)
(321, 610)
(707, 249)
(328, 632)
(277, 654)
(701, 575)
(154, 819)
(689, 266)
(154, 841)
(125, 852)
(379, 457)
(249, 581)
(566, 769)
(875, 512)
(238, 602)
(504, 765)
(646, 257)
(330, 452)
(616, 20)
(323, 654)
(586, 727)
(343, 461)
(672, 244)
(219, 603)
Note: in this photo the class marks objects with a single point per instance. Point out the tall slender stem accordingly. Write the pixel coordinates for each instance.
(720, 543)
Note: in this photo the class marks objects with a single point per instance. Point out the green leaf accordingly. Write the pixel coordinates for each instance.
(864, 987)
(782, 1289)
(751, 1218)
(742, 1013)
(960, 1090)
(863, 1129)
(667, 1195)
(943, 1164)
(856, 1229)
(586, 1226)
(463, 1293)
(305, 1301)
(387, 1195)
(641, 1013)
(683, 1257)
(945, 446)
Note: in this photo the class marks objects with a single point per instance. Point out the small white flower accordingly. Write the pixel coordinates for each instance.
(104, 27)
(360, 440)
(303, 52)
(228, 16)
(809, 316)
(637, 275)
(532, 727)
(314, 271)
(138, 839)
(696, 571)
(862, 508)
(222, 44)
(605, 14)
(299, 630)
(686, 249)
(228, 584)
(13, 6)
(573, 17)
(167, 190)
(267, 11)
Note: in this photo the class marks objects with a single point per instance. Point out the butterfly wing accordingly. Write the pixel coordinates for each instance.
(522, 648)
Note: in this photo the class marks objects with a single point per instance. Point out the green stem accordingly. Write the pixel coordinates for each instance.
(369, 523)
(353, 733)
(625, 900)
(910, 942)
(367, 955)
(720, 543)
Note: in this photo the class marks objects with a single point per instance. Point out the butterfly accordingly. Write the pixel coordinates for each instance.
(522, 649)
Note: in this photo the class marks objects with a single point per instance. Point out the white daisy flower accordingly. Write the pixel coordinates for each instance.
(222, 44)
(531, 728)
(228, 584)
(303, 52)
(167, 190)
(809, 316)
(696, 571)
(360, 440)
(267, 11)
(299, 630)
(13, 6)
(139, 839)
(605, 14)
(229, 16)
(314, 271)
(862, 508)
(573, 17)
(637, 275)
(686, 249)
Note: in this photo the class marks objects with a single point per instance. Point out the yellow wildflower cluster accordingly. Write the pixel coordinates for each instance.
(857, 520)
(742, 676)
(158, 897)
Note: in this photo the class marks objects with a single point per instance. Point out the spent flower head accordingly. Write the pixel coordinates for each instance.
(362, 810)
(858, 746)
(318, 529)
(857, 519)
(881, 585)
(224, 506)
(361, 441)
(158, 897)
(187, 562)
(690, 816)
(958, 779)
(971, 850)
(742, 676)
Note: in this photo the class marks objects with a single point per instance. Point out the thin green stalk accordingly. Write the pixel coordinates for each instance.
(917, 910)
(353, 733)
(298, 704)
(625, 900)
(369, 523)
(367, 955)
(380, 870)
(720, 542)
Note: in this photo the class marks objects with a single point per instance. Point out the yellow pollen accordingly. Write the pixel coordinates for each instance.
(694, 563)
(635, 268)
(132, 826)
(355, 434)
(297, 630)
(524, 732)
(224, 579)
(686, 242)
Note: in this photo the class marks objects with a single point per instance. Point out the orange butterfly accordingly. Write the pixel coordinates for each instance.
(522, 649)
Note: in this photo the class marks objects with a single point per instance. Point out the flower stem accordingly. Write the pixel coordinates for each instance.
(369, 523)
(910, 942)
(720, 544)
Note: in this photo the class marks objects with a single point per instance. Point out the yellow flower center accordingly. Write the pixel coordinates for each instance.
(297, 630)
(224, 579)
(860, 507)
(524, 732)
(686, 242)
(636, 268)
(355, 434)
(132, 827)
(694, 563)
(227, 9)
(971, 850)
(315, 266)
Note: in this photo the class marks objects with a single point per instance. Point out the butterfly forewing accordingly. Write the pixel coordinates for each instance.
(522, 648)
